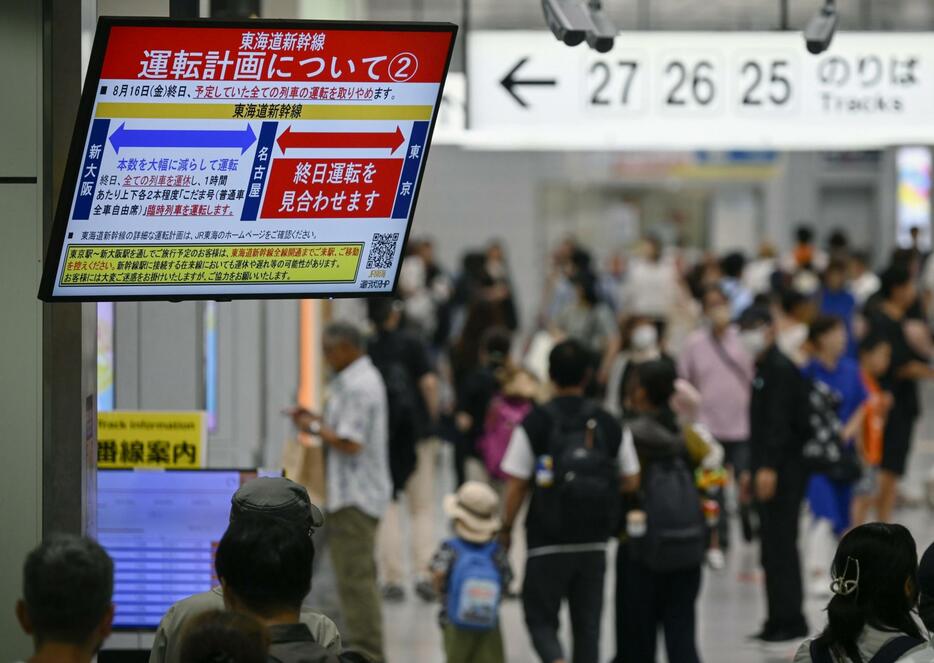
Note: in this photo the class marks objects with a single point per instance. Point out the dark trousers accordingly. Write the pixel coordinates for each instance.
(623, 619)
(550, 579)
(464, 449)
(737, 458)
(662, 599)
(778, 531)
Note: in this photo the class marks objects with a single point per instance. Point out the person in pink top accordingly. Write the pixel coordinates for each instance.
(714, 361)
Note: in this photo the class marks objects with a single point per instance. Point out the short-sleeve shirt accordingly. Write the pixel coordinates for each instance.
(905, 392)
(722, 371)
(357, 410)
(519, 460)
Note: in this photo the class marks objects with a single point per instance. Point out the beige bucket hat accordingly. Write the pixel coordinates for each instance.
(475, 512)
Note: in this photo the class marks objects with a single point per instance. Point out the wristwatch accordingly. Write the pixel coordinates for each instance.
(314, 428)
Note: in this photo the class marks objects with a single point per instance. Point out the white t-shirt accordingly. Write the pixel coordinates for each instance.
(519, 461)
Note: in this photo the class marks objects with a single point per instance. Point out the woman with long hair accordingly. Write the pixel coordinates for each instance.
(875, 587)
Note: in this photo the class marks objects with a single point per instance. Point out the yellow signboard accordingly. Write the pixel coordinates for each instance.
(129, 439)
(208, 264)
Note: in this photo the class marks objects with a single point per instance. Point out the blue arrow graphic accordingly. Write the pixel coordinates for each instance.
(124, 137)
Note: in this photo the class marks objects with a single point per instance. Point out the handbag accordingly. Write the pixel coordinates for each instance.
(825, 451)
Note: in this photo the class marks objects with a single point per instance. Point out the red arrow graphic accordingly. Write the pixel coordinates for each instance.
(313, 139)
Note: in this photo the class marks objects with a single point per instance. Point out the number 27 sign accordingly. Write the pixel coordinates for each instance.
(694, 90)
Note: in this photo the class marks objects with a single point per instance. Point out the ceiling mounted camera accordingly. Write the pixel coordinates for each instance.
(820, 29)
(601, 37)
(568, 20)
(574, 21)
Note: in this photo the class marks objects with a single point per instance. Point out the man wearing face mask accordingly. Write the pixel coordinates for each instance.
(716, 363)
(778, 428)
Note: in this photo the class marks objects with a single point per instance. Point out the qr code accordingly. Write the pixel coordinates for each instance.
(382, 250)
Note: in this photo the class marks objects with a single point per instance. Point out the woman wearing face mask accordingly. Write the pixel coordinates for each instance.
(875, 589)
(639, 344)
(716, 363)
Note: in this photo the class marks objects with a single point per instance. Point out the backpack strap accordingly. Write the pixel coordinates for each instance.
(820, 652)
(895, 648)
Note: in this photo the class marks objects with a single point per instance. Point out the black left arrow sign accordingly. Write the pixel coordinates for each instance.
(510, 82)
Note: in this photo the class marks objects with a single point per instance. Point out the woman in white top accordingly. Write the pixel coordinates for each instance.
(875, 587)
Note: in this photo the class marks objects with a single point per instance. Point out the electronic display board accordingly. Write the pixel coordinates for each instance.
(245, 159)
(162, 527)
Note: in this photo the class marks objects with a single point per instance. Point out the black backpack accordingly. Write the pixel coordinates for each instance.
(824, 450)
(890, 652)
(403, 418)
(675, 536)
(577, 498)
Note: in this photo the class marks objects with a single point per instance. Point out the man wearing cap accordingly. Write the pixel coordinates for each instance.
(274, 498)
(355, 432)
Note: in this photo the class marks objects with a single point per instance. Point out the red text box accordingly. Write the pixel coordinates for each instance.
(331, 188)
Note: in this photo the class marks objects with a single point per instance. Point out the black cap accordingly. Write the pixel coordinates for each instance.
(278, 498)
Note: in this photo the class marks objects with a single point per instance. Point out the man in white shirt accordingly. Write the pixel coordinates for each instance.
(354, 430)
(574, 459)
(652, 283)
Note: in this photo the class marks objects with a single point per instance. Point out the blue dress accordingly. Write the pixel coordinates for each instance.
(826, 498)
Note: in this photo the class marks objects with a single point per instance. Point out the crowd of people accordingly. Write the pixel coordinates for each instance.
(648, 403)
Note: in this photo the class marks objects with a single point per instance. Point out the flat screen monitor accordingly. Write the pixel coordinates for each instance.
(162, 527)
(245, 159)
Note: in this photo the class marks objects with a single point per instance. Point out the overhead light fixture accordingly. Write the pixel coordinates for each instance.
(574, 21)
(820, 29)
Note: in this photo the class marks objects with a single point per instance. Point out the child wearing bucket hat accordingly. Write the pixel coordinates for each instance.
(470, 571)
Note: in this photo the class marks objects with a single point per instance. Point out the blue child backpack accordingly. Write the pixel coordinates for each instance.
(474, 586)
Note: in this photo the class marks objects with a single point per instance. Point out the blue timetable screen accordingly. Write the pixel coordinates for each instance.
(161, 528)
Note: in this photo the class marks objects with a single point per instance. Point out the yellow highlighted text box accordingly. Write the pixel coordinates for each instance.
(103, 265)
(130, 439)
(128, 110)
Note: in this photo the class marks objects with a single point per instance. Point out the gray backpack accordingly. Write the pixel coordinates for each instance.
(676, 535)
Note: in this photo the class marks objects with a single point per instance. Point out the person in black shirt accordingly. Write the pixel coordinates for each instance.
(778, 428)
(566, 535)
(897, 297)
(403, 360)
(475, 392)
